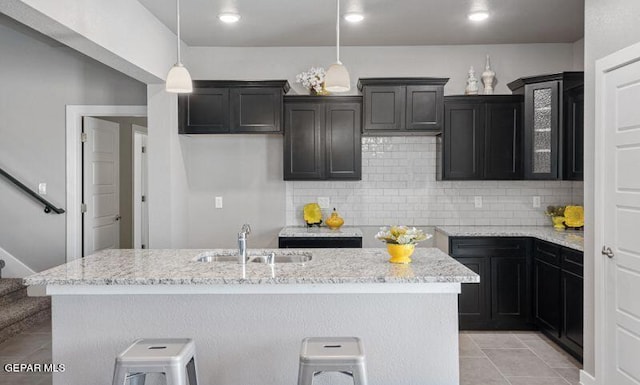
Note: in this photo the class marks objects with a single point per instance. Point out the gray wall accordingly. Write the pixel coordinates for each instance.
(38, 78)
(609, 26)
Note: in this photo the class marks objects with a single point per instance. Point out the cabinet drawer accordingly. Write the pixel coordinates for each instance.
(547, 252)
(488, 246)
(572, 260)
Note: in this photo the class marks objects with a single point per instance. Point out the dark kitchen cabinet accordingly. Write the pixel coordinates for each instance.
(402, 106)
(482, 138)
(232, 107)
(319, 242)
(502, 299)
(574, 134)
(553, 125)
(558, 295)
(322, 138)
(474, 305)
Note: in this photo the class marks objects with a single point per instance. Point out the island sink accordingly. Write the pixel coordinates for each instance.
(264, 257)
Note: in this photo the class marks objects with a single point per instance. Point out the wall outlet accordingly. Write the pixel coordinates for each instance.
(324, 202)
(478, 202)
(218, 202)
(42, 188)
(536, 202)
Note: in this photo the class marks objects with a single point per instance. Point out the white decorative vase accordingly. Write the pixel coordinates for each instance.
(488, 77)
(472, 83)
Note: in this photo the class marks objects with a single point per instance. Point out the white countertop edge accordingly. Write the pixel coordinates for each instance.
(359, 288)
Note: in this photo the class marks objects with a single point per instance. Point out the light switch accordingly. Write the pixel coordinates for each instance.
(324, 202)
(42, 188)
(478, 202)
(218, 202)
(536, 202)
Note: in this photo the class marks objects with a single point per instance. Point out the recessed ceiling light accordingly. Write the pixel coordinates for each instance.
(229, 17)
(353, 17)
(479, 16)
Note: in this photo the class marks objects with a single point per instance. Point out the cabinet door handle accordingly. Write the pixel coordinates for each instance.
(607, 251)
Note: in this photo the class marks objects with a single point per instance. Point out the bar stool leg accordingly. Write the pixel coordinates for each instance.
(360, 375)
(191, 371)
(305, 375)
(119, 375)
(176, 376)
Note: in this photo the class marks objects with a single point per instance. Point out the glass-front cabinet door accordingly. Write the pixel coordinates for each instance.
(542, 130)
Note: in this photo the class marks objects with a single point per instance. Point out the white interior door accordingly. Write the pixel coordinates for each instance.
(101, 187)
(140, 212)
(619, 121)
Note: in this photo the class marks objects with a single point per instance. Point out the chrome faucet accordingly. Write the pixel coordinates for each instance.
(242, 243)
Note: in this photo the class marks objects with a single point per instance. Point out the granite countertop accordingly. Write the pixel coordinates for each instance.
(569, 238)
(320, 232)
(328, 266)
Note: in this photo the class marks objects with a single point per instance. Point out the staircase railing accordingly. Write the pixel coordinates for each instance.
(48, 206)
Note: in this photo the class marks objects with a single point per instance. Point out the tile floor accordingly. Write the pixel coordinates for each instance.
(514, 358)
(486, 358)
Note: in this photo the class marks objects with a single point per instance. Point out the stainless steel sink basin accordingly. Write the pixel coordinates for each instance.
(256, 257)
(279, 258)
(217, 258)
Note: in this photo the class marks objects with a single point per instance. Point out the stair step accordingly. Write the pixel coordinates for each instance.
(9, 285)
(24, 325)
(11, 290)
(21, 309)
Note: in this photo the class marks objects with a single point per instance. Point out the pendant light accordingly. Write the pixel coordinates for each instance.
(178, 78)
(337, 77)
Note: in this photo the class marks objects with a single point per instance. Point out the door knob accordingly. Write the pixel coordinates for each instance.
(607, 251)
(118, 217)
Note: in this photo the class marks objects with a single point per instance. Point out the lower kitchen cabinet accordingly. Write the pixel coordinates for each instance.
(558, 295)
(502, 299)
(319, 242)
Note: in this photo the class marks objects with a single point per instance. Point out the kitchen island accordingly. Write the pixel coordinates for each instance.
(248, 325)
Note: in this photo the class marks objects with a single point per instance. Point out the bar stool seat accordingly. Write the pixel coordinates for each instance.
(332, 354)
(175, 357)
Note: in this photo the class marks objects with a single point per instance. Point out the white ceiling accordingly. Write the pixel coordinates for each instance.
(387, 22)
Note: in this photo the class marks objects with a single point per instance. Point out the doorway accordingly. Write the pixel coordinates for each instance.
(100, 178)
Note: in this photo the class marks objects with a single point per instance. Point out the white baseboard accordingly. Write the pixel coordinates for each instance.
(587, 379)
(14, 268)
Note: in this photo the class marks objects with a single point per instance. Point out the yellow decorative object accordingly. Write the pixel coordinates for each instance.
(558, 223)
(400, 253)
(574, 216)
(312, 214)
(334, 221)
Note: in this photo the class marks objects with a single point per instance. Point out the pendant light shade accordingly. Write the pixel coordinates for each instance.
(337, 78)
(178, 78)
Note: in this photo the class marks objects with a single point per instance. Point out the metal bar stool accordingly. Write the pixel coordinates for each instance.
(176, 358)
(332, 354)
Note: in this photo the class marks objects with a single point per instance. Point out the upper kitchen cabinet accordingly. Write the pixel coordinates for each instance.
(402, 106)
(322, 138)
(554, 108)
(232, 107)
(482, 138)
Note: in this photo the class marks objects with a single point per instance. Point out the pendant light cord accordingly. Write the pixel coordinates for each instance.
(178, 27)
(338, 31)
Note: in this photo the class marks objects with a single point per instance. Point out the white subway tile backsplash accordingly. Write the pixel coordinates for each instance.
(399, 186)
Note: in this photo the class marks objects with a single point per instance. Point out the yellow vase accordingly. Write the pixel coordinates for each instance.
(334, 221)
(400, 253)
(558, 223)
